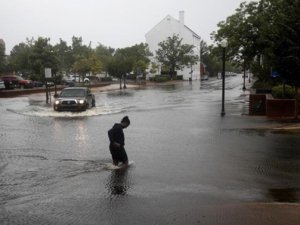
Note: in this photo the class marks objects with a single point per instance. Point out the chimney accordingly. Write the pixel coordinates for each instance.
(181, 17)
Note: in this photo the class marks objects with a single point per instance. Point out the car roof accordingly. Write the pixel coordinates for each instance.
(8, 76)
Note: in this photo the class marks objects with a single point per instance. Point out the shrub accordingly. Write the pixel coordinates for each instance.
(160, 78)
(106, 79)
(283, 91)
(287, 92)
(263, 85)
(179, 77)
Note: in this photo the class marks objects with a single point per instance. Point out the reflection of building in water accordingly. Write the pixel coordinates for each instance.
(78, 140)
(118, 183)
(81, 134)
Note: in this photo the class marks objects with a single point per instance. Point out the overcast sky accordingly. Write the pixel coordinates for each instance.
(114, 23)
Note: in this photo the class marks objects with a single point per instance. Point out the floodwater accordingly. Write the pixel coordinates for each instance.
(191, 166)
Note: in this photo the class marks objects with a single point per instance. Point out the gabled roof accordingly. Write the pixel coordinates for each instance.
(170, 17)
(194, 34)
(167, 17)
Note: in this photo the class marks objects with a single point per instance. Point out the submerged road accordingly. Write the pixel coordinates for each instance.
(191, 166)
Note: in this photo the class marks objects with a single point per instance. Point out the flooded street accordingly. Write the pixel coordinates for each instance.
(191, 166)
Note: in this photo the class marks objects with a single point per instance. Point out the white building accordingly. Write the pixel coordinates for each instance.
(167, 28)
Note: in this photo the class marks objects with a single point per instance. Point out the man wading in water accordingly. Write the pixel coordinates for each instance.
(117, 142)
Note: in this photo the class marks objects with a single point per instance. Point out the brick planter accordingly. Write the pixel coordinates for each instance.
(257, 104)
(281, 107)
(265, 104)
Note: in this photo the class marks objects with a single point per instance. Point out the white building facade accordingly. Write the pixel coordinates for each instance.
(167, 28)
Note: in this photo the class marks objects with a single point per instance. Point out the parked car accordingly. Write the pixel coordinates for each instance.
(77, 78)
(2, 85)
(204, 77)
(74, 99)
(13, 81)
(10, 81)
(50, 83)
(68, 81)
(37, 83)
(23, 83)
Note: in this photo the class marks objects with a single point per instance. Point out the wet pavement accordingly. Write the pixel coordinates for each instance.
(191, 166)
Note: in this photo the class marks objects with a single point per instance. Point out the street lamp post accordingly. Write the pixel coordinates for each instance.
(244, 76)
(223, 45)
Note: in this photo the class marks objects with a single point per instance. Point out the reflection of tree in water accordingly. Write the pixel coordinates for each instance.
(118, 183)
(282, 168)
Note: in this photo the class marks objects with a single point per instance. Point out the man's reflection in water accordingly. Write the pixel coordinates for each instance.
(118, 183)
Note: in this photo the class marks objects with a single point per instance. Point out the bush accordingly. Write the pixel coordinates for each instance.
(286, 92)
(263, 85)
(106, 79)
(160, 78)
(283, 91)
(179, 77)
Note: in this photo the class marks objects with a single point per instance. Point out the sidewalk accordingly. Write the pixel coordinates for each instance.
(288, 128)
(112, 87)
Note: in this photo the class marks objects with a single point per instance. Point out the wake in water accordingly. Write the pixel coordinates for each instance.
(110, 166)
(39, 111)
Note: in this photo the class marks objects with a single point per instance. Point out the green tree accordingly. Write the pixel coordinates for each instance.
(82, 67)
(104, 54)
(118, 66)
(265, 35)
(79, 50)
(285, 38)
(139, 67)
(42, 56)
(211, 58)
(96, 65)
(243, 30)
(64, 56)
(137, 57)
(154, 68)
(204, 49)
(174, 55)
(2, 56)
(19, 58)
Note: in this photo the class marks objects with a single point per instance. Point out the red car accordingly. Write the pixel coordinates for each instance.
(13, 81)
(23, 83)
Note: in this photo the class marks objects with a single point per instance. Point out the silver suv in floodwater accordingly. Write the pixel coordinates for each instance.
(74, 99)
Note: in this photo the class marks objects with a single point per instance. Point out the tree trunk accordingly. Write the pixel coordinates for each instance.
(120, 83)
(124, 81)
(172, 72)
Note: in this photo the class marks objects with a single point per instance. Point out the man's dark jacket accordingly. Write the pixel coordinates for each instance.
(116, 134)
